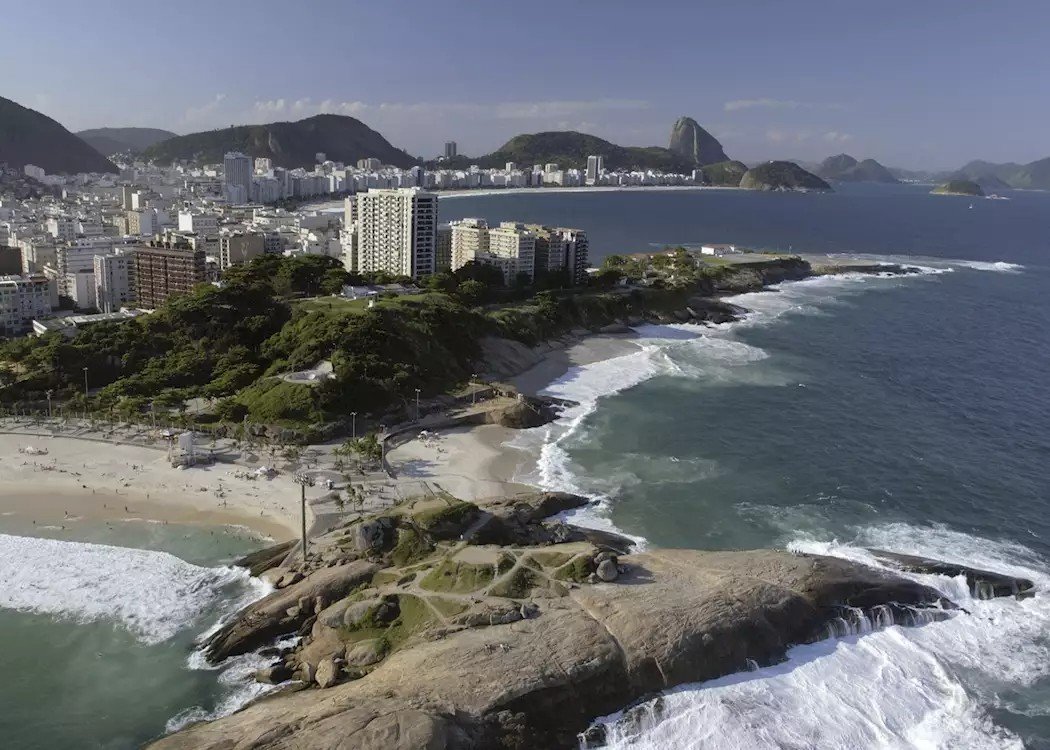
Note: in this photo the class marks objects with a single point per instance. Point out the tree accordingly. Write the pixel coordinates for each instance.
(333, 280)
(442, 281)
(472, 292)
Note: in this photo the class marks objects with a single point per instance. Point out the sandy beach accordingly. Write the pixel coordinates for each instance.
(111, 481)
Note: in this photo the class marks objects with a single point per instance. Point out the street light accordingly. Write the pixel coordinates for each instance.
(85, 383)
(49, 392)
(473, 389)
(304, 480)
(353, 418)
(417, 404)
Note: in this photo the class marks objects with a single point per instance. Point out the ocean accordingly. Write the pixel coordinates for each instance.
(842, 413)
(904, 413)
(97, 626)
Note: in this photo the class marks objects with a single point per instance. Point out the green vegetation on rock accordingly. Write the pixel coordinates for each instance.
(959, 187)
(724, 173)
(781, 175)
(457, 577)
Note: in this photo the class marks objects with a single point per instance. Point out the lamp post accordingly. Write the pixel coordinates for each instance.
(353, 423)
(417, 404)
(49, 392)
(85, 383)
(304, 480)
(473, 389)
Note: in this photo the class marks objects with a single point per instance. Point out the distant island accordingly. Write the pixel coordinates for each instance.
(959, 187)
(845, 168)
(782, 176)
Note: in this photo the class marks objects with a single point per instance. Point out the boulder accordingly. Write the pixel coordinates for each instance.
(365, 653)
(373, 535)
(607, 571)
(274, 674)
(328, 673)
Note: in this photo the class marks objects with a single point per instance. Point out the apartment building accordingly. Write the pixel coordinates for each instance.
(114, 281)
(23, 298)
(396, 231)
(470, 237)
(162, 272)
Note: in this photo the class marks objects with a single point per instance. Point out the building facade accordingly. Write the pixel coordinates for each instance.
(23, 298)
(397, 231)
(114, 275)
(470, 237)
(237, 177)
(161, 273)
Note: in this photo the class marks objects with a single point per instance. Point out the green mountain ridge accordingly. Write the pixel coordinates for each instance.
(959, 187)
(288, 144)
(29, 137)
(109, 141)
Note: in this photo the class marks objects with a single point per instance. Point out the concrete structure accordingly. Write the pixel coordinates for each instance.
(200, 223)
(451, 149)
(10, 261)
(71, 325)
(81, 289)
(74, 258)
(515, 246)
(443, 248)
(239, 247)
(114, 276)
(143, 222)
(24, 298)
(595, 167)
(469, 238)
(397, 231)
(237, 177)
(161, 273)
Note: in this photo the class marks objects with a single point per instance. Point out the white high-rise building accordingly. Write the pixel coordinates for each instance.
(73, 259)
(113, 277)
(205, 225)
(397, 231)
(469, 238)
(237, 180)
(595, 167)
(516, 246)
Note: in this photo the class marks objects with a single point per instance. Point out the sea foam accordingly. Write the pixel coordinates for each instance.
(153, 595)
(895, 688)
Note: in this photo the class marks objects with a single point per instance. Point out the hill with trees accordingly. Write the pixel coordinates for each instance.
(570, 149)
(1032, 176)
(29, 137)
(287, 144)
(782, 176)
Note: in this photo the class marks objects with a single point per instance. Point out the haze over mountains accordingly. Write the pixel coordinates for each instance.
(109, 141)
(29, 137)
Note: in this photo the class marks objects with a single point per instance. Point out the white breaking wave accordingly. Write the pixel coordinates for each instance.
(153, 595)
(1001, 266)
(924, 687)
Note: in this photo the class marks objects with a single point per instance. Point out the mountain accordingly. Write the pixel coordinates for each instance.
(28, 137)
(781, 175)
(288, 144)
(959, 187)
(694, 144)
(121, 140)
(847, 169)
(1032, 176)
(569, 149)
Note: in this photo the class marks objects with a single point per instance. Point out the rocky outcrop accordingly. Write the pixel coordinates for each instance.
(692, 142)
(671, 617)
(984, 584)
(782, 176)
(959, 187)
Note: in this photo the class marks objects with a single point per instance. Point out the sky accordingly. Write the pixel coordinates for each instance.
(918, 84)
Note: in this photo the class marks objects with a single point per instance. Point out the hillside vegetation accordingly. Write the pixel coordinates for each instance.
(288, 144)
(108, 141)
(29, 137)
(781, 175)
(569, 150)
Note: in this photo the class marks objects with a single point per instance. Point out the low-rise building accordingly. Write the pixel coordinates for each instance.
(23, 299)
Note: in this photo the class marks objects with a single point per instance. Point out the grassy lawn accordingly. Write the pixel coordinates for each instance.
(338, 305)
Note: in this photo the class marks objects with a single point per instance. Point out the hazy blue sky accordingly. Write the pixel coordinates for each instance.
(927, 83)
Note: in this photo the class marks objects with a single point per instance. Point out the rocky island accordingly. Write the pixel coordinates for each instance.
(447, 624)
(782, 176)
(959, 187)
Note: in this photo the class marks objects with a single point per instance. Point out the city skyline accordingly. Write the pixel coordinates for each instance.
(893, 82)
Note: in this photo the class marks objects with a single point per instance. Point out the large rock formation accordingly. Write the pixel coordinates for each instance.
(487, 627)
(959, 187)
(692, 142)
